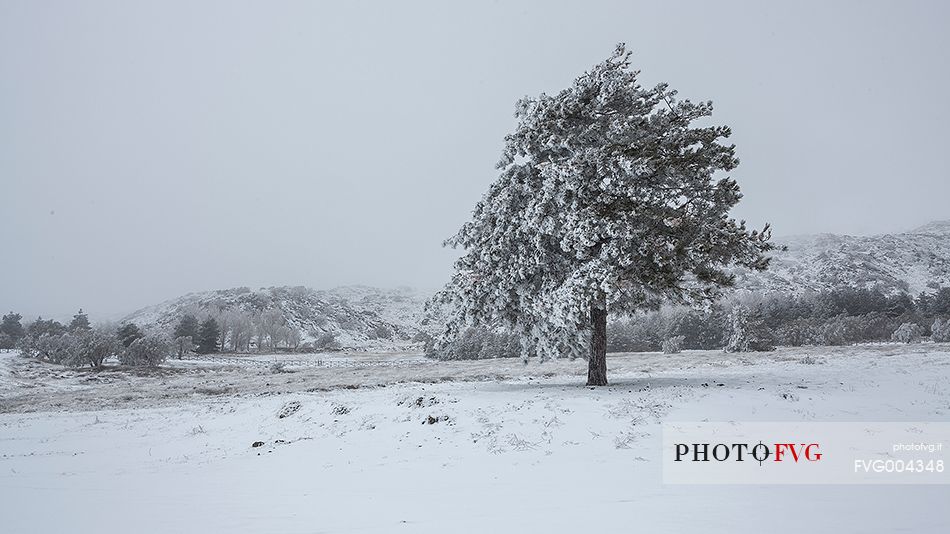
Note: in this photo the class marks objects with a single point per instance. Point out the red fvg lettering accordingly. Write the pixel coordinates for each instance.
(801, 450)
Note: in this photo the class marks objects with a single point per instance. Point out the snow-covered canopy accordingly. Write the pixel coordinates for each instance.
(608, 196)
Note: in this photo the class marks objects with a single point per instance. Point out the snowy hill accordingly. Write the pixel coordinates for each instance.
(915, 261)
(357, 317)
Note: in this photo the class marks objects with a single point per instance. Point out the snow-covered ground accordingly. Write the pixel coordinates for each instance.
(487, 446)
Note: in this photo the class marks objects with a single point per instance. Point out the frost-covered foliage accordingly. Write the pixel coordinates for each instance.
(97, 345)
(128, 333)
(673, 345)
(746, 332)
(58, 348)
(479, 343)
(700, 329)
(326, 341)
(907, 333)
(11, 330)
(80, 322)
(76, 349)
(940, 331)
(147, 351)
(608, 197)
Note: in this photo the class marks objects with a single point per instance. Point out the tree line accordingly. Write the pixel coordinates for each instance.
(79, 344)
(838, 317)
(753, 322)
(242, 331)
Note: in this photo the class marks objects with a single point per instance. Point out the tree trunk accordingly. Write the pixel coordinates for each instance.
(597, 363)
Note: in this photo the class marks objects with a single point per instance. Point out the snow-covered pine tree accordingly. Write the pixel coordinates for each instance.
(608, 201)
(208, 336)
(940, 331)
(187, 327)
(128, 333)
(80, 322)
(746, 331)
(11, 326)
(673, 345)
(907, 333)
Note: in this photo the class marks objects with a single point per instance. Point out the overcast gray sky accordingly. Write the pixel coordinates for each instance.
(148, 149)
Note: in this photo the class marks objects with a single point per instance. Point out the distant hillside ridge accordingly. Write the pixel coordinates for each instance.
(912, 262)
(347, 318)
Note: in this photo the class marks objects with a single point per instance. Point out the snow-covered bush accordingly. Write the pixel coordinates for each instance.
(635, 334)
(479, 343)
(907, 333)
(94, 347)
(326, 341)
(85, 347)
(27, 347)
(746, 332)
(673, 344)
(60, 348)
(840, 330)
(148, 351)
(940, 330)
(798, 332)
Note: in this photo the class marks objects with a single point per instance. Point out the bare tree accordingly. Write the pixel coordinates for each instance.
(271, 321)
(224, 317)
(184, 345)
(242, 329)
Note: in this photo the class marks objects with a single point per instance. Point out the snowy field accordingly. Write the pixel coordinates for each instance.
(487, 446)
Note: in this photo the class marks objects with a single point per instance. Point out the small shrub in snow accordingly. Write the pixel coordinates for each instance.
(940, 330)
(148, 351)
(326, 341)
(288, 409)
(673, 345)
(907, 333)
(433, 419)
